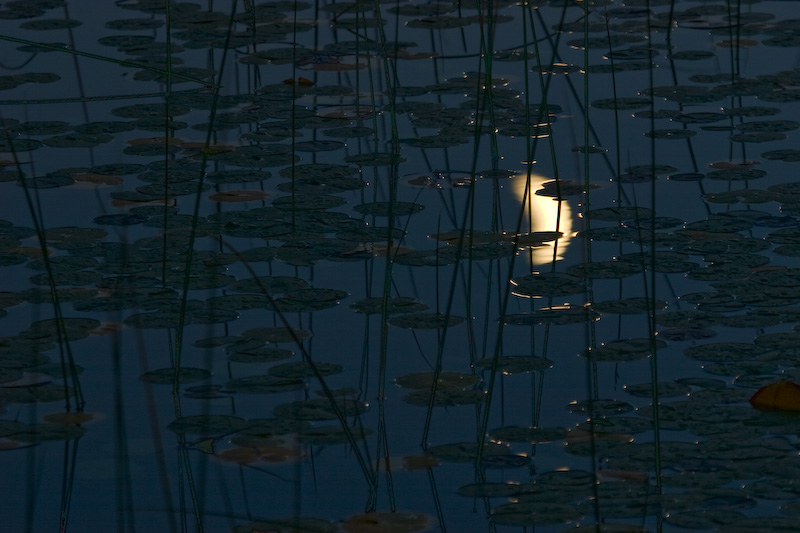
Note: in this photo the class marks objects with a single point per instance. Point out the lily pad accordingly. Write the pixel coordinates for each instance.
(319, 409)
(264, 384)
(446, 380)
(207, 424)
(516, 364)
(166, 376)
(425, 321)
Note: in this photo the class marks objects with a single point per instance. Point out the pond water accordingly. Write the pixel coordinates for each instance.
(399, 266)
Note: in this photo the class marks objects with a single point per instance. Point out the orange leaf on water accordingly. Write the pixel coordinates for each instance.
(778, 396)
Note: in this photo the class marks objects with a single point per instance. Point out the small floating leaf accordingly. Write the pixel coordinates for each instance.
(780, 396)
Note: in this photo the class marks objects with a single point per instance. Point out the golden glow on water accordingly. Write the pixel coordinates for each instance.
(544, 214)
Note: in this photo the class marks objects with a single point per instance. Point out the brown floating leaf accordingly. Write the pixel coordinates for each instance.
(779, 396)
(419, 462)
(300, 81)
(397, 522)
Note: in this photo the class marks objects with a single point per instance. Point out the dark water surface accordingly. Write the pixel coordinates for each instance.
(241, 242)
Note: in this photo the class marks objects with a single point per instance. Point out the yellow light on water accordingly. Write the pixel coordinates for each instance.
(544, 216)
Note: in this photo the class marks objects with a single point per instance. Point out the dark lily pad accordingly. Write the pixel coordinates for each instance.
(300, 370)
(445, 397)
(516, 364)
(446, 380)
(393, 306)
(166, 376)
(264, 384)
(425, 321)
(207, 424)
(320, 409)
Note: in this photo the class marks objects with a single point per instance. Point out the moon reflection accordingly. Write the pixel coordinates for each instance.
(542, 212)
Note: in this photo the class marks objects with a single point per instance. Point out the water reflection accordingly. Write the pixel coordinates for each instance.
(544, 216)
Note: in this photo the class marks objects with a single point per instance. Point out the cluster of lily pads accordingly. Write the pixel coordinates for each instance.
(184, 267)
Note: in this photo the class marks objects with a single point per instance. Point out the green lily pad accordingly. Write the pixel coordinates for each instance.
(207, 424)
(375, 159)
(628, 305)
(157, 320)
(665, 389)
(371, 306)
(490, 490)
(50, 24)
(326, 435)
(445, 397)
(238, 353)
(533, 435)
(466, 452)
(425, 321)
(273, 284)
(264, 384)
(301, 369)
(9, 144)
(446, 380)
(35, 394)
(309, 299)
(600, 407)
(621, 103)
(319, 171)
(557, 315)
(757, 137)
(516, 364)
(319, 409)
(166, 376)
(534, 514)
(385, 209)
(150, 111)
(547, 284)
(788, 155)
(692, 55)
(276, 335)
(604, 270)
(35, 433)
